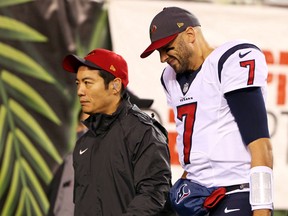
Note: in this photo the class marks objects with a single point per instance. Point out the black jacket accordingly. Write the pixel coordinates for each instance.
(122, 165)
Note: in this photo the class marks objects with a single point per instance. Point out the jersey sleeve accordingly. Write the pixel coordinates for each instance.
(244, 68)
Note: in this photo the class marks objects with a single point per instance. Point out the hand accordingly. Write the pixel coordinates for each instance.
(262, 212)
(184, 175)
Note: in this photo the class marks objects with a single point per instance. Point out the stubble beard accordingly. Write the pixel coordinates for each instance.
(183, 58)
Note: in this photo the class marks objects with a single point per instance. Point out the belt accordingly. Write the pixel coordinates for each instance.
(237, 187)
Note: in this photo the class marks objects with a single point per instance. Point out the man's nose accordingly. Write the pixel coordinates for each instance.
(80, 90)
(163, 56)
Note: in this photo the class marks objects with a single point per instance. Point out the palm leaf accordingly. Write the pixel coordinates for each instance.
(34, 204)
(97, 37)
(13, 29)
(20, 207)
(5, 3)
(35, 185)
(74, 123)
(14, 189)
(35, 158)
(6, 166)
(38, 132)
(19, 61)
(3, 127)
(27, 95)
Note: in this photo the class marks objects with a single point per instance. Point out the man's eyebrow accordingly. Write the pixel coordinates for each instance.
(84, 79)
(167, 47)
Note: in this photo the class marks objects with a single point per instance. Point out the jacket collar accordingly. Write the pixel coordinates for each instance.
(100, 123)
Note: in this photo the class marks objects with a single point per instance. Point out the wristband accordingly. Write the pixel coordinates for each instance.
(261, 187)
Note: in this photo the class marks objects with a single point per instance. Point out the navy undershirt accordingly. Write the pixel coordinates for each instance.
(186, 78)
(248, 107)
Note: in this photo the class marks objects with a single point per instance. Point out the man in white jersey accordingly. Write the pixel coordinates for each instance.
(218, 99)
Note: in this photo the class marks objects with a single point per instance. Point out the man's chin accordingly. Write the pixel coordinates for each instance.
(85, 109)
(176, 69)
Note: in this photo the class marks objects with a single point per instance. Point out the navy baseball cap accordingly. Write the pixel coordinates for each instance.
(99, 59)
(166, 25)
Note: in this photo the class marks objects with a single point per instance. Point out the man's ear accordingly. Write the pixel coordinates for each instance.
(116, 85)
(191, 33)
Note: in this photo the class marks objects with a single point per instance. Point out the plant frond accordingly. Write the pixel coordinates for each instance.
(7, 163)
(35, 185)
(30, 97)
(6, 3)
(21, 62)
(14, 190)
(34, 157)
(3, 127)
(14, 30)
(38, 132)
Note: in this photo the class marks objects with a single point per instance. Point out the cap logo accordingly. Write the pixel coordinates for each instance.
(112, 68)
(153, 28)
(180, 25)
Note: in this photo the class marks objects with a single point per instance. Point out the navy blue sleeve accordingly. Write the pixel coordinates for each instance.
(248, 107)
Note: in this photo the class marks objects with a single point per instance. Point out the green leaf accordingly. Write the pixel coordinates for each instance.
(20, 207)
(19, 61)
(3, 113)
(6, 167)
(3, 127)
(9, 204)
(5, 3)
(99, 34)
(38, 132)
(35, 157)
(35, 184)
(33, 201)
(30, 97)
(13, 29)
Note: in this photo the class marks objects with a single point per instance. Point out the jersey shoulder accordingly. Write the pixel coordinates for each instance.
(240, 64)
(230, 47)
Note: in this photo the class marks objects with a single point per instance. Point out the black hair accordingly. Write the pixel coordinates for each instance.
(108, 77)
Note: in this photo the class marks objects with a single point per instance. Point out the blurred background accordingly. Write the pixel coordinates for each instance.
(38, 103)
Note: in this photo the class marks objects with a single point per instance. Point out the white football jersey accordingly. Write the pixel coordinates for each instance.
(209, 143)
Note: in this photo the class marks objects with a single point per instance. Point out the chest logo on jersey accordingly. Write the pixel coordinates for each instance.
(244, 54)
(185, 88)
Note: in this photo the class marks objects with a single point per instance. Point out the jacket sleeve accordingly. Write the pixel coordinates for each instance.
(152, 175)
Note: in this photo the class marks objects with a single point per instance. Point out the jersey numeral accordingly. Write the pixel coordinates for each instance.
(187, 114)
(251, 74)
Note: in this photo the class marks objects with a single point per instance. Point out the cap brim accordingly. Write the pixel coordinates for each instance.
(71, 63)
(157, 45)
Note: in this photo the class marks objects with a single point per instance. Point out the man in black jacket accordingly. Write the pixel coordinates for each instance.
(122, 163)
